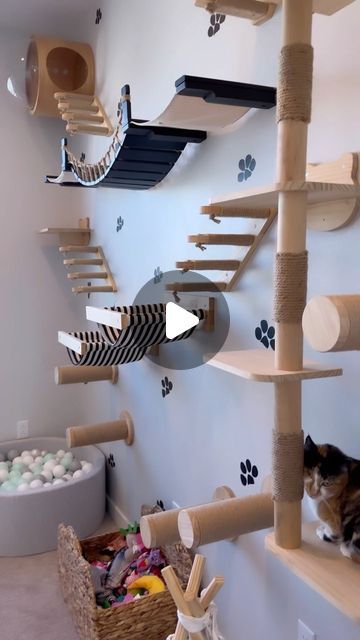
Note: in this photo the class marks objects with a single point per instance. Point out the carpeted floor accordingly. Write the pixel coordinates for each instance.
(31, 605)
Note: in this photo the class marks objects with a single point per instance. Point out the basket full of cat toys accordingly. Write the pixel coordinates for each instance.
(113, 585)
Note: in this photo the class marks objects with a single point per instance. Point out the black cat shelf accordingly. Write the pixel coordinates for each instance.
(148, 150)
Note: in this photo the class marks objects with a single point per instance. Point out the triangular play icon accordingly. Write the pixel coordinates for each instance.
(178, 320)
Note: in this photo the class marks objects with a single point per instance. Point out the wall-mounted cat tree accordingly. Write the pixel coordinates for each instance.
(149, 149)
(195, 621)
(332, 202)
(83, 114)
(75, 241)
(325, 570)
(226, 518)
(121, 429)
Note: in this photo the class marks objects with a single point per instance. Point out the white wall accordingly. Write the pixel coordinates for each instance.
(195, 438)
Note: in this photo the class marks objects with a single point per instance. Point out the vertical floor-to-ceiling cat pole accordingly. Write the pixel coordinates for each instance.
(294, 107)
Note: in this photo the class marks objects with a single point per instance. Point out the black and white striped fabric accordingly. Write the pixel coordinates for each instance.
(101, 353)
(147, 327)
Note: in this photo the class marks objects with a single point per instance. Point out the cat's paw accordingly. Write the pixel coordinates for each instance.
(345, 550)
(320, 532)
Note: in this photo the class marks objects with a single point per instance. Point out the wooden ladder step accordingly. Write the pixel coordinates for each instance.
(239, 239)
(74, 248)
(213, 211)
(204, 265)
(67, 96)
(87, 275)
(84, 261)
(78, 106)
(82, 128)
(196, 286)
(76, 117)
(91, 289)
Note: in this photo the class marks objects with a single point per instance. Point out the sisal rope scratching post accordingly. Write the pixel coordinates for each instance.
(122, 429)
(195, 613)
(293, 114)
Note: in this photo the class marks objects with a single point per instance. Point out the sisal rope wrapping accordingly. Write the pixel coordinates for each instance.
(290, 286)
(288, 466)
(295, 83)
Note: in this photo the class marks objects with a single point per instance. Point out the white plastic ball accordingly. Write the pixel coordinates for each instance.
(4, 474)
(58, 481)
(47, 484)
(69, 454)
(17, 460)
(25, 453)
(59, 471)
(47, 474)
(88, 467)
(60, 453)
(50, 464)
(35, 452)
(67, 476)
(43, 453)
(35, 468)
(28, 460)
(27, 476)
(36, 484)
(39, 460)
(82, 462)
(13, 453)
(23, 486)
(78, 474)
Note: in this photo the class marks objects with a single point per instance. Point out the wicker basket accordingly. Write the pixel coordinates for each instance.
(152, 617)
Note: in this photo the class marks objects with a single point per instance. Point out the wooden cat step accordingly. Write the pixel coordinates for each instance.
(83, 114)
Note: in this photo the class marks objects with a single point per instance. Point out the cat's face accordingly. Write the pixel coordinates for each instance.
(325, 470)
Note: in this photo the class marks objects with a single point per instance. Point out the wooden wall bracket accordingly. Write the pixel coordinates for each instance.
(85, 374)
(257, 12)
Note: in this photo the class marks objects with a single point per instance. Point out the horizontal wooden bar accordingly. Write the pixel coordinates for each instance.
(85, 374)
(74, 248)
(142, 155)
(77, 117)
(196, 286)
(81, 128)
(66, 96)
(85, 261)
(92, 289)
(238, 239)
(204, 265)
(77, 106)
(235, 212)
(87, 275)
(73, 343)
(108, 316)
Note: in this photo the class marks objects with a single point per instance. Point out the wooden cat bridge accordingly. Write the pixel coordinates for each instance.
(73, 243)
(332, 191)
(148, 150)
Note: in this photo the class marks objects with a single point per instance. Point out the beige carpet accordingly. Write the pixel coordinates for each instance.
(31, 605)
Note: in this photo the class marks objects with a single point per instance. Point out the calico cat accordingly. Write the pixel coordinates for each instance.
(332, 480)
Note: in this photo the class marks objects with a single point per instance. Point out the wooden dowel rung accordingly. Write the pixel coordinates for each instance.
(235, 212)
(208, 265)
(84, 261)
(78, 117)
(87, 275)
(90, 289)
(122, 429)
(80, 128)
(193, 585)
(68, 96)
(74, 248)
(77, 106)
(238, 239)
(211, 590)
(196, 286)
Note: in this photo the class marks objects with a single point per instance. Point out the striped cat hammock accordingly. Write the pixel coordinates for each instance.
(146, 327)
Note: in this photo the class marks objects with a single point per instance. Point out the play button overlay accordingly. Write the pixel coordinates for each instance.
(178, 320)
(181, 293)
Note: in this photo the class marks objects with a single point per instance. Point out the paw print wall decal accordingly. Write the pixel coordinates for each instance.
(111, 461)
(248, 472)
(246, 166)
(265, 334)
(89, 293)
(119, 223)
(167, 386)
(216, 19)
(98, 16)
(158, 274)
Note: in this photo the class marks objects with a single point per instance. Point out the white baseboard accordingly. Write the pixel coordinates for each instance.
(116, 514)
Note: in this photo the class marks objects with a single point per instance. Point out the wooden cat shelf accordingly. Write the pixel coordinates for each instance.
(83, 114)
(260, 11)
(75, 242)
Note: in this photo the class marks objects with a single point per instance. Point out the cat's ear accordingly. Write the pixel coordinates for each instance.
(310, 444)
